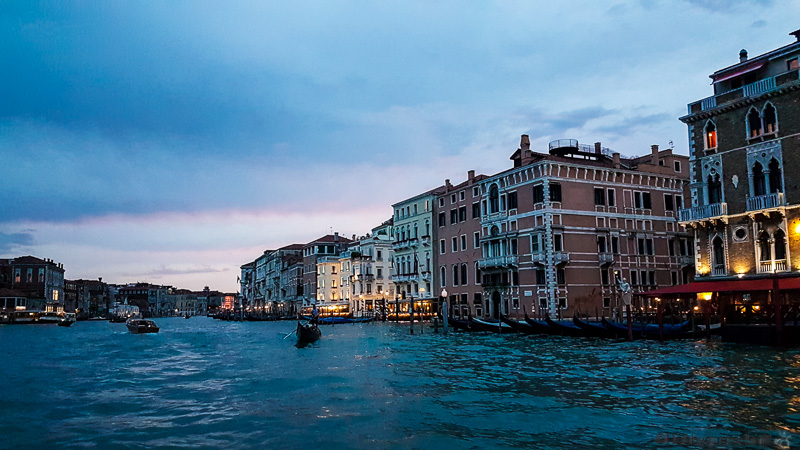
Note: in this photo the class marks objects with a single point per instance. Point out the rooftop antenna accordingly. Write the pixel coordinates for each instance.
(671, 144)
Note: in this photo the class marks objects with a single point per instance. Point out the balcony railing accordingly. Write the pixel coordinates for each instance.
(772, 266)
(768, 201)
(498, 261)
(426, 240)
(749, 90)
(686, 260)
(719, 271)
(703, 212)
(494, 216)
(606, 258)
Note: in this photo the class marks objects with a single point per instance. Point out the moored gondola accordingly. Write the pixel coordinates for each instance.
(565, 329)
(540, 327)
(522, 327)
(307, 333)
(491, 326)
(457, 324)
(593, 329)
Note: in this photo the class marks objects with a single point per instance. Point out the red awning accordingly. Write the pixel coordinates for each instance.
(737, 72)
(761, 284)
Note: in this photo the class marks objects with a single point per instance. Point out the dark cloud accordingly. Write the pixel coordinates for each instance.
(10, 242)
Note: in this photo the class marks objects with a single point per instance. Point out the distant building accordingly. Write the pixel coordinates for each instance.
(326, 246)
(41, 281)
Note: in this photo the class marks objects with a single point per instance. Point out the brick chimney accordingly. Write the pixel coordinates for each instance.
(654, 155)
(615, 160)
(742, 55)
(470, 175)
(598, 148)
(525, 142)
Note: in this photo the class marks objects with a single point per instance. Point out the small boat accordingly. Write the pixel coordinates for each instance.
(140, 326)
(336, 320)
(565, 329)
(307, 333)
(491, 326)
(651, 331)
(67, 320)
(522, 327)
(593, 329)
(540, 327)
(457, 324)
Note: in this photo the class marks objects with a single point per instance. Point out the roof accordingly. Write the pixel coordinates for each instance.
(735, 285)
(745, 66)
(293, 247)
(329, 238)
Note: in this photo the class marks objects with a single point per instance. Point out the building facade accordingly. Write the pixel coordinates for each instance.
(745, 206)
(560, 229)
(41, 281)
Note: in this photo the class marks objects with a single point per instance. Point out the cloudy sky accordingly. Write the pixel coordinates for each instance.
(171, 142)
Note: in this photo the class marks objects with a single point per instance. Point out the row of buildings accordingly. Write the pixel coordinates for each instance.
(559, 229)
(30, 283)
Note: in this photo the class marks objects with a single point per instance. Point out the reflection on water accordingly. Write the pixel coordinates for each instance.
(203, 383)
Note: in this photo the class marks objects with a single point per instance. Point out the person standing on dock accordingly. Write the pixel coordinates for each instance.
(314, 315)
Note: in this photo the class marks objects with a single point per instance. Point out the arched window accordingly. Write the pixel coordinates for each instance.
(443, 276)
(753, 123)
(780, 244)
(764, 247)
(710, 135)
(494, 199)
(714, 189)
(455, 274)
(415, 231)
(464, 273)
(718, 249)
(759, 183)
(427, 227)
(770, 119)
(775, 184)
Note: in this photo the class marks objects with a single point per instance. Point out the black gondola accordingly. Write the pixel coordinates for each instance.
(522, 327)
(306, 334)
(564, 329)
(462, 325)
(540, 327)
(593, 329)
(491, 326)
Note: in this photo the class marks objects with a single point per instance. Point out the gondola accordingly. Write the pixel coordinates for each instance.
(540, 327)
(522, 327)
(491, 326)
(593, 329)
(462, 325)
(307, 333)
(651, 331)
(564, 329)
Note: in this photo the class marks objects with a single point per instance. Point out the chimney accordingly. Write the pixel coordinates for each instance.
(447, 184)
(100, 279)
(336, 236)
(615, 159)
(354, 237)
(742, 55)
(796, 34)
(598, 148)
(525, 142)
(470, 175)
(654, 156)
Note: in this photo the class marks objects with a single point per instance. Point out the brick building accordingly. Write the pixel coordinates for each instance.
(40, 281)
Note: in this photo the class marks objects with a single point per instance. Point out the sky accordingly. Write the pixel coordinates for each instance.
(172, 142)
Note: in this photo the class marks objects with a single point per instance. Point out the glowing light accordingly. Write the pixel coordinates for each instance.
(704, 295)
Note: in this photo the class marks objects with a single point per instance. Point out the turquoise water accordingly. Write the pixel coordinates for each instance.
(202, 383)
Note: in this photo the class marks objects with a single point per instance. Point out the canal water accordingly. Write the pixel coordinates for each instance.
(203, 383)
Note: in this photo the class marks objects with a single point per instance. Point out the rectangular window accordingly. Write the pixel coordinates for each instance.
(646, 201)
(671, 247)
(462, 214)
(651, 275)
(455, 275)
(463, 242)
(604, 277)
(562, 303)
(534, 243)
(555, 192)
(515, 303)
(637, 200)
(540, 278)
(649, 246)
(668, 202)
(41, 275)
(30, 276)
(452, 198)
(477, 273)
(792, 64)
(463, 274)
(615, 245)
(538, 194)
(443, 276)
(679, 201)
(16, 276)
(677, 166)
(558, 245)
(441, 201)
(461, 195)
(379, 274)
(476, 210)
(442, 219)
(601, 244)
(513, 245)
(455, 244)
(599, 197)
(442, 247)
(512, 200)
(560, 276)
(477, 242)
(634, 278)
(453, 216)
(674, 278)
(612, 197)
(475, 191)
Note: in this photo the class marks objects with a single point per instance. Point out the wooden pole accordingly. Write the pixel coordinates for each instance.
(630, 323)
(660, 314)
(777, 300)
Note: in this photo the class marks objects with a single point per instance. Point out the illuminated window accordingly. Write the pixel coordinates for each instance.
(792, 64)
(770, 119)
(711, 136)
(753, 123)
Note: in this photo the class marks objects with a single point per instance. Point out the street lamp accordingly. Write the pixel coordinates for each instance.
(443, 310)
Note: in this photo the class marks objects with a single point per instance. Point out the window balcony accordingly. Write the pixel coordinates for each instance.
(400, 278)
(686, 260)
(499, 261)
(719, 271)
(704, 212)
(490, 217)
(405, 243)
(776, 266)
(426, 240)
(605, 258)
(769, 201)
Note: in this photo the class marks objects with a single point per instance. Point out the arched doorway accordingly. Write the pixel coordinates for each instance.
(496, 305)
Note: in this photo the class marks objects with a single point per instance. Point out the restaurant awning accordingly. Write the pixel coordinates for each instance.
(760, 284)
(740, 71)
